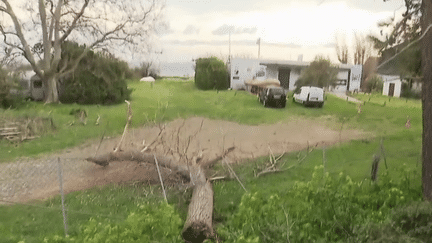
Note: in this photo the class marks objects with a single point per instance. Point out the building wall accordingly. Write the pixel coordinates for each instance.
(356, 73)
(342, 81)
(245, 69)
(272, 72)
(242, 70)
(294, 76)
(388, 79)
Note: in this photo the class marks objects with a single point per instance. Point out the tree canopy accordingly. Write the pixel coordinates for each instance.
(41, 27)
(395, 36)
(320, 73)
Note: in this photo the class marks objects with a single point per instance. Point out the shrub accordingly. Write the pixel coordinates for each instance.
(98, 79)
(374, 84)
(4, 90)
(325, 209)
(407, 92)
(211, 73)
(320, 73)
(151, 223)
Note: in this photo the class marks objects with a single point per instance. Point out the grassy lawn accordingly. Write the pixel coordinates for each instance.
(168, 100)
(389, 101)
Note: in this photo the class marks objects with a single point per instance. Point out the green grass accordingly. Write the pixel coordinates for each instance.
(168, 100)
(389, 101)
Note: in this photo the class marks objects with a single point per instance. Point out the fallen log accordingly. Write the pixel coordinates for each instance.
(198, 225)
(139, 157)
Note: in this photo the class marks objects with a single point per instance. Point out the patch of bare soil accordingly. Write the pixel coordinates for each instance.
(38, 179)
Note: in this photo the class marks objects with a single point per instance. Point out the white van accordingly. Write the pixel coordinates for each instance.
(309, 96)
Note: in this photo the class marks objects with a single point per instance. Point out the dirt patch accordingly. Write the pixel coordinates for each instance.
(38, 179)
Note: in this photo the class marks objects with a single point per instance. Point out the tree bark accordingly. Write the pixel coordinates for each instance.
(427, 100)
(51, 90)
(198, 226)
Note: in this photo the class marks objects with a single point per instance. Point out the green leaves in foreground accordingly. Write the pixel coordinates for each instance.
(151, 223)
(325, 209)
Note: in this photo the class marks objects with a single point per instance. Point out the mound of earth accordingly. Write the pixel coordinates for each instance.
(193, 136)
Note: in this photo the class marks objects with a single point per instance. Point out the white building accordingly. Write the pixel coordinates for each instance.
(288, 72)
(392, 85)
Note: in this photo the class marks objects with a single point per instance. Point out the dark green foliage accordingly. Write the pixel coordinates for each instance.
(98, 79)
(211, 73)
(373, 84)
(414, 220)
(407, 92)
(4, 89)
(151, 223)
(325, 209)
(11, 95)
(320, 73)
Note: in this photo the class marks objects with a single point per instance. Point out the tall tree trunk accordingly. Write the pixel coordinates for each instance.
(427, 100)
(51, 90)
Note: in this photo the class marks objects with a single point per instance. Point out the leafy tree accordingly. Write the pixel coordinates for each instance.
(4, 88)
(416, 22)
(102, 23)
(396, 36)
(373, 83)
(320, 73)
(211, 73)
(99, 78)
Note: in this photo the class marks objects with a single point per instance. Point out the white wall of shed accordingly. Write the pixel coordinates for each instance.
(397, 90)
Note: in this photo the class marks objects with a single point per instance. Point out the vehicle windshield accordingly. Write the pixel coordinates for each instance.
(277, 91)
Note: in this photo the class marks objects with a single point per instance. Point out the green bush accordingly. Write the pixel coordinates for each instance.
(151, 223)
(325, 209)
(211, 73)
(407, 92)
(98, 79)
(374, 84)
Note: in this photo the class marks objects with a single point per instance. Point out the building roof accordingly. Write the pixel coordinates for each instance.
(290, 63)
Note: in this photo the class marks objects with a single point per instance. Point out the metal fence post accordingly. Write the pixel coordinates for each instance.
(60, 176)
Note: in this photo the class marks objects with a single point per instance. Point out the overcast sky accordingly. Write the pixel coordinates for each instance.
(287, 28)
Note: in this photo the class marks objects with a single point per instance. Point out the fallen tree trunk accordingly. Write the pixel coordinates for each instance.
(137, 156)
(198, 225)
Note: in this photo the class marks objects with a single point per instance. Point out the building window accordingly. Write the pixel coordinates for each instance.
(341, 82)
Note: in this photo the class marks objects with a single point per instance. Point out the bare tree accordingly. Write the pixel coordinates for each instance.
(96, 24)
(362, 49)
(342, 51)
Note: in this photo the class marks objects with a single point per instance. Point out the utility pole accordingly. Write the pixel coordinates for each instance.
(426, 21)
(229, 51)
(259, 46)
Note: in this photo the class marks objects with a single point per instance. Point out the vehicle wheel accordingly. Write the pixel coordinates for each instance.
(282, 105)
(321, 105)
(265, 103)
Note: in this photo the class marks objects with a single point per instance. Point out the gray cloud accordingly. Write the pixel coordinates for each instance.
(191, 30)
(226, 29)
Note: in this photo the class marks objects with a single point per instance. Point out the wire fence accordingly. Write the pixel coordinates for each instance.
(35, 179)
(26, 180)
